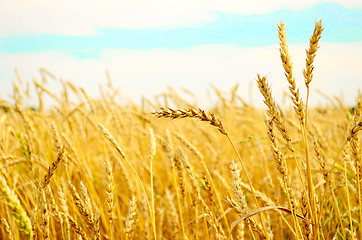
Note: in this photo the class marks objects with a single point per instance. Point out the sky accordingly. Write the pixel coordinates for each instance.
(148, 46)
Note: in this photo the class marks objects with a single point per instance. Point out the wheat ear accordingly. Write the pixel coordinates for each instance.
(21, 218)
(311, 52)
(190, 113)
(288, 68)
(174, 163)
(60, 157)
(273, 109)
(308, 75)
(110, 195)
(131, 218)
(85, 211)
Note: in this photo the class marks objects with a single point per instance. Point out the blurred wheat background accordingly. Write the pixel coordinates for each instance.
(96, 169)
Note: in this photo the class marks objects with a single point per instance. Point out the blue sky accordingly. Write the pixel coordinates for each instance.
(150, 46)
(245, 30)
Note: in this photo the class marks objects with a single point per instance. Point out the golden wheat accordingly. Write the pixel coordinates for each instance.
(65, 176)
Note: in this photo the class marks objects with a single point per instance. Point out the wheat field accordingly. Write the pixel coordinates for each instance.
(96, 169)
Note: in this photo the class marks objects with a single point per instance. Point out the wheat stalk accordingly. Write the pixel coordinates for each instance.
(300, 110)
(152, 150)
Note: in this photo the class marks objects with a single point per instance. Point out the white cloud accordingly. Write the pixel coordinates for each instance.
(148, 72)
(84, 17)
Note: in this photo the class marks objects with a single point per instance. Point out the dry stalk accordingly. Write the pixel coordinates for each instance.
(152, 155)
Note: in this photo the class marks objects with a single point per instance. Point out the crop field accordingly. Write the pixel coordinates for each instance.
(97, 169)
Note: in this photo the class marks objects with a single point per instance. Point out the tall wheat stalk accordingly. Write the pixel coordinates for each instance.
(299, 105)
